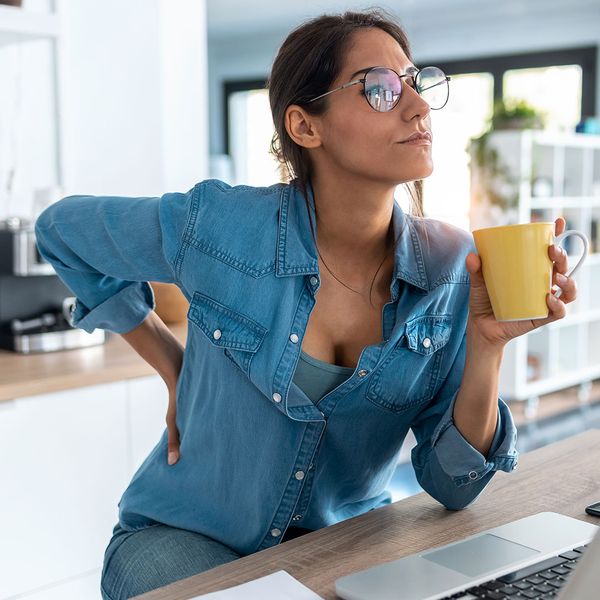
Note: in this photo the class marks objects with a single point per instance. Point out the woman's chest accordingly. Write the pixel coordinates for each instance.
(341, 325)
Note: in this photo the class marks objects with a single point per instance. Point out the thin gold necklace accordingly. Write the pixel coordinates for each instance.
(374, 276)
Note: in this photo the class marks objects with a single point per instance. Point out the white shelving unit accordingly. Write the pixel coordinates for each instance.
(22, 25)
(549, 175)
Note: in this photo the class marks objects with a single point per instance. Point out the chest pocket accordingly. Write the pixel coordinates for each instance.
(409, 375)
(238, 335)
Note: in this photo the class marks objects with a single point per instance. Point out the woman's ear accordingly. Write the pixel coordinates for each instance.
(302, 127)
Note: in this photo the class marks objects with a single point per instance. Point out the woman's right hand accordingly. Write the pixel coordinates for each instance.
(172, 431)
(157, 345)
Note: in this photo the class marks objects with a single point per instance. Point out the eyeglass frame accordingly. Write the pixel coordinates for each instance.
(412, 72)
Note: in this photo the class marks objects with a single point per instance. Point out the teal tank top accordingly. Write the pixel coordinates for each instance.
(317, 378)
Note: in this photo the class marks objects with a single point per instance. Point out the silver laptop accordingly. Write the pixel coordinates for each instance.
(523, 555)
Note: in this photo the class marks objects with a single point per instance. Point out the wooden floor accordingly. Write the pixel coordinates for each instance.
(554, 404)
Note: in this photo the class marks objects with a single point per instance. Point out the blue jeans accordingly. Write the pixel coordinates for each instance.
(136, 562)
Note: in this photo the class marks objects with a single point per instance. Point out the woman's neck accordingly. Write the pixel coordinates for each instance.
(353, 221)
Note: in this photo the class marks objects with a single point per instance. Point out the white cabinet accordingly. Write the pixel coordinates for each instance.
(538, 176)
(65, 460)
(148, 399)
(86, 587)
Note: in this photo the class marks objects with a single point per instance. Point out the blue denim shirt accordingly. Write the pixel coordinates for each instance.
(256, 454)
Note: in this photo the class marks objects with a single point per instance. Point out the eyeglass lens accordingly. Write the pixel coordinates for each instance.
(383, 87)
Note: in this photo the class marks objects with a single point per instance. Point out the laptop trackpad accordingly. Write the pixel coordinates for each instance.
(480, 555)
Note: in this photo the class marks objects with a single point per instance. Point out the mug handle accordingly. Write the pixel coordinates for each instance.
(586, 246)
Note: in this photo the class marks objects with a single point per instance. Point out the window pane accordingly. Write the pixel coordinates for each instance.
(250, 133)
(556, 90)
(446, 192)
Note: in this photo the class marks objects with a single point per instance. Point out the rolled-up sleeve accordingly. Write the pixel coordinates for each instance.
(447, 466)
(106, 249)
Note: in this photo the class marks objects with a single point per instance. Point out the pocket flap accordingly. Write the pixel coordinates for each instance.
(428, 333)
(223, 326)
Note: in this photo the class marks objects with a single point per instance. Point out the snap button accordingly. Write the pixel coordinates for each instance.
(426, 342)
(217, 334)
(294, 338)
(472, 475)
(277, 397)
(313, 280)
(299, 475)
(362, 372)
(275, 532)
(296, 517)
(514, 465)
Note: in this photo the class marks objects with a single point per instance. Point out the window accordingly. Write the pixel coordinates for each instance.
(250, 132)
(555, 90)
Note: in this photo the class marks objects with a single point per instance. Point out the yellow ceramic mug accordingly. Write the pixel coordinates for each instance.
(517, 269)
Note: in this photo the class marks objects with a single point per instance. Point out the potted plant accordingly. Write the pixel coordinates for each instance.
(492, 182)
(516, 114)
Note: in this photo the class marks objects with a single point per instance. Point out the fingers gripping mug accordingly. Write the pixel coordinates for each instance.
(517, 269)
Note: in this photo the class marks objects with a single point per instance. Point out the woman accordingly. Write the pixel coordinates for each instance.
(324, 321)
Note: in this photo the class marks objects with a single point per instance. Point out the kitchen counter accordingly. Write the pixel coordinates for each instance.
(115, 360)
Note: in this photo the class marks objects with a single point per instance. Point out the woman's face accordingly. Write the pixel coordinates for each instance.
(358, 139)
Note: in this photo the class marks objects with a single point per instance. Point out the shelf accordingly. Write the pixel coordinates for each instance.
(575, 318)
(557, 382)
(18, 25)
(552, 138)
(538, 202)
(573, 140)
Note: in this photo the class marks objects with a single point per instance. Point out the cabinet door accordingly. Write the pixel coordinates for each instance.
(86, 587)
(64, 463)
(148, 400)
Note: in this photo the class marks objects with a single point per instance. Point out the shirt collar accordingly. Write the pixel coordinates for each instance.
(297, 253)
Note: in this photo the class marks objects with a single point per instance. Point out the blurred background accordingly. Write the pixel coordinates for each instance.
(142, 97)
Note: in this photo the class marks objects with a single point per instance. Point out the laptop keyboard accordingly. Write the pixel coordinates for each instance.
(540, 580)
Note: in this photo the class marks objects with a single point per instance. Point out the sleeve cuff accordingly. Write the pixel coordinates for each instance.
(464, 463)
(120, 313)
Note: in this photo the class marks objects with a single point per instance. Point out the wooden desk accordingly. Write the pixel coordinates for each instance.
(563, 477)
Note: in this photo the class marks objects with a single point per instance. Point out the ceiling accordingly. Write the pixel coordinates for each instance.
(231, 18)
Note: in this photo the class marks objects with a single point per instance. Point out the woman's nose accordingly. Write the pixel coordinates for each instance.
(413, 99)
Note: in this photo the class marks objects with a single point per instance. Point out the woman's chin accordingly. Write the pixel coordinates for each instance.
(415, 174)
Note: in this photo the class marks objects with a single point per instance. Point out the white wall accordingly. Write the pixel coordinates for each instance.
(436, 29)
(135, 104)
(132, 102)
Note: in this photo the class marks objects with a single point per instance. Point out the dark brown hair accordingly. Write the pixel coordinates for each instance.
(308, 62)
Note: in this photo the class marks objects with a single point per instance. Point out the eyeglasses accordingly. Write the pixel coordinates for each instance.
(382, 87)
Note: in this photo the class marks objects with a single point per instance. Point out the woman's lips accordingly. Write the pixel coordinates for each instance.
(417, 142)
(418, 137)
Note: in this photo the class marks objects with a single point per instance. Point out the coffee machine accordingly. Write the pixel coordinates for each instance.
(35, 306)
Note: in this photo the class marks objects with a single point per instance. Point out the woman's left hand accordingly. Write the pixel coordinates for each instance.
(481, 316)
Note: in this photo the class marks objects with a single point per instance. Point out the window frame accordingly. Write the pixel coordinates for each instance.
(585, 57)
